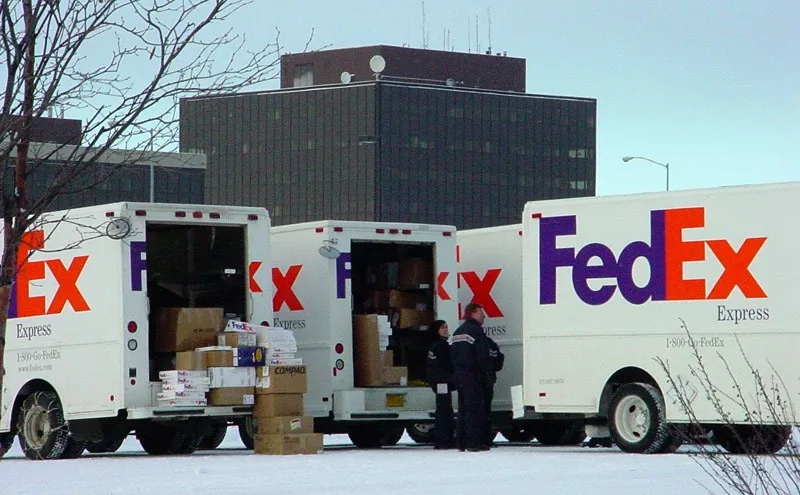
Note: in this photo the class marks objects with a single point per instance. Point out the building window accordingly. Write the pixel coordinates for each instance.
(580, 185)
(303, 75)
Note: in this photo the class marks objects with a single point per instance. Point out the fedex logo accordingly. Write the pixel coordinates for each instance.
(284, 289)
(481, 289)
(23, 304)
(666, 254)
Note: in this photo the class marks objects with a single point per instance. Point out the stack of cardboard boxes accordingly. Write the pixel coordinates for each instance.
(281, 427)
(374, 364)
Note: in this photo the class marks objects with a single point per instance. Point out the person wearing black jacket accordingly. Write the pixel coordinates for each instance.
(440, 378)
(470, 352)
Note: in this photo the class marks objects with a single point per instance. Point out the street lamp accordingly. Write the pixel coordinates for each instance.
(665, 165)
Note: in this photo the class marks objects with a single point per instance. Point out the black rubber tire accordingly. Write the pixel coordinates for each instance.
(647, 400)
(675, 440)
(520, 435)
(753, 440)
(215, 438)
(423, 436)
(247, 432)
(105, 446)
(191, 442)
(44, 407)
(6, 442)
(74, 449)
(375, 436)
(157, 439)
(393, 435)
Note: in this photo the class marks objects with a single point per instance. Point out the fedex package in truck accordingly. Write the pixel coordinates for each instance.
(490, 273)
(620, 292)
(104, 301)
(359, 297)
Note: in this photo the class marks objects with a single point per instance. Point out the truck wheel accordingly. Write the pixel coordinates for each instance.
(393, 435)
(105, 446)
(637, 419)
(421, 432)
(215, 438)
(522, 435)
(753, 440)
(374, 436)
(74, 449)
(190, 443)
(158, 439)
(247, 432)
(559, 433)
(675, 439)
(43, 432)
(6, 442)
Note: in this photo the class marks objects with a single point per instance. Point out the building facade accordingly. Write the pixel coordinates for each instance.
(392, 150)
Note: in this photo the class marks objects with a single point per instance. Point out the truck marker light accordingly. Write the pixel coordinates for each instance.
(214, 215)
(133, 381)
(284, 293)
(109, 214)
(536, 215)
(447, 234)
(252, 216)
(542, 394)
(339, 348)
(133, 345)
(132, 326)
(338, 229)
(339, 364)
(394, 231)
(319, 230)
(197, 214)
(111, 398)
(380, 231)
(665, 251)
(406, 232)
(519, 232)
(264, 323)
(141, 213)
(335, 371)
(180, 214)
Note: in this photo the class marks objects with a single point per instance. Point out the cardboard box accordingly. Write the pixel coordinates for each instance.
(380, 301)
(232, 377)
(367, 352)
(395, 375)
(180, 376)
(249, 356)
(183, 403)
(276, 405)
(237, 339)
(407, 300)
(388, 357)
(186, 394)
(185, 329)
(232, 396)
(288, 444)
(190, 361)
(415, 272)
(281, 380)
(285, 424)
(407, 318)
(388, 275)
(218, 358)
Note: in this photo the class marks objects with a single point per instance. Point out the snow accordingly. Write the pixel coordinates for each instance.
(405, 468)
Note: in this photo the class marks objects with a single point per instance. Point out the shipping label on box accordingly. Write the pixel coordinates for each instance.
(288, 444)
(281, 380)
(249, 356)
(275, 405)
(185, 329)
(285, 424)
(237, 339)
(231, 396)
(191, 361)
(232, 377)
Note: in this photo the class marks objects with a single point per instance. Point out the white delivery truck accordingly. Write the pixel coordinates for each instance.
(331, 276)
(615, 286)
(490, 273)
(82, 369)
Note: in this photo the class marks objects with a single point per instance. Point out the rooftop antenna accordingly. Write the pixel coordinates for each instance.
(489, 20)
(424, 41)
(469, 34)
(477, 35)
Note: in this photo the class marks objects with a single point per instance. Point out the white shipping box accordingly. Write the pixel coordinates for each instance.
(285, 362)
(191, 394)
(183, 402)
(279, 346)
(186, 387)
(232, 377)
(280, 355)
(174, 374)
(274, 334)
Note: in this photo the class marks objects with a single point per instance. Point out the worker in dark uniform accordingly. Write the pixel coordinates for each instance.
(440, 378)
(498, 359)
(472, 363)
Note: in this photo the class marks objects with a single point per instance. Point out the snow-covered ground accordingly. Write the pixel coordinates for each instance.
(343, 469)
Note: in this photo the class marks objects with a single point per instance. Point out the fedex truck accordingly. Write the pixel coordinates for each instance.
(328, 273)
(647, 312)
(81, 367)
(490, 273)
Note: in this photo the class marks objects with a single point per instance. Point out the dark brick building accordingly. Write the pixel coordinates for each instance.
(403, 146)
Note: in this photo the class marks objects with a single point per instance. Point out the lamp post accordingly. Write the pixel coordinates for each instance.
(665, 165)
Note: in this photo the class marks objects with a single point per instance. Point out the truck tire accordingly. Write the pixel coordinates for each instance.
(394, 434)
(105, 446)
(6, 442)
(74, 449)
(521, 435)
(157, 439)
(753, 440)
(43, 432)
(421, 432)
(374, 436)
(637, 419)
(215, 438)
(559, 433)
(247, 432)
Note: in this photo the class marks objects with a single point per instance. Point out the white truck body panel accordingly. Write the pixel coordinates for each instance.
(73, 299)
(607, 281)
(490, 273)
(313, 297)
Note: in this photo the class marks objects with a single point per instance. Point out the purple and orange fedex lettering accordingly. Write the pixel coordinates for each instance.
(666, 254)
(28, 271)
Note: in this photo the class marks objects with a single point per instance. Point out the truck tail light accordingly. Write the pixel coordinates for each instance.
(133, 345)
(180, 214)
(252, 217)
(132, 326)
(339, 348)
(406, 232)
(141, 213)
(213, 215)
(264, 323)
(447, 234)
(197, 214)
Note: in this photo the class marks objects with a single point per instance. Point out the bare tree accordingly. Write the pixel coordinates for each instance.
(752, 450)
(123, 65)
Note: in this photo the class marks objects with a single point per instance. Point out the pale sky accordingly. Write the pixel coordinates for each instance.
(712, 87)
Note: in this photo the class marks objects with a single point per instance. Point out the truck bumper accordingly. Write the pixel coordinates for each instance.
(391, 403)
